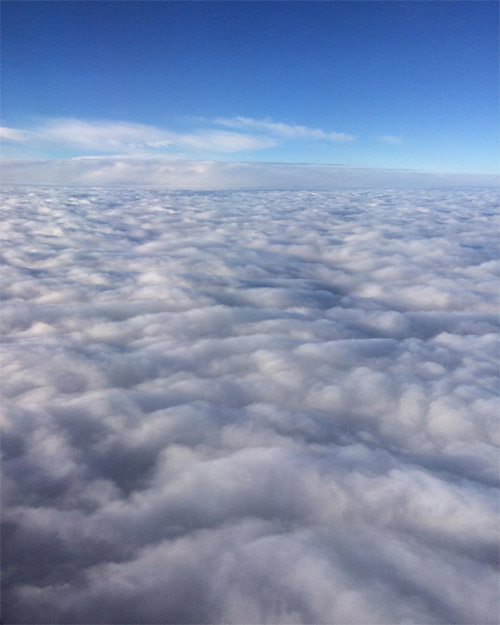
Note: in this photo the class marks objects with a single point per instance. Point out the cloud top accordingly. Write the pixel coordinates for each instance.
(249, 407)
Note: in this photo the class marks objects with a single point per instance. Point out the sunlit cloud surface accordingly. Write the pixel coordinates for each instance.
(249, 407)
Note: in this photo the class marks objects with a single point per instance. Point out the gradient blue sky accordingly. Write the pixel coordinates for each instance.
(400, 84)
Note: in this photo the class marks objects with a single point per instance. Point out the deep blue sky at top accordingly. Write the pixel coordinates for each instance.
(425, 73)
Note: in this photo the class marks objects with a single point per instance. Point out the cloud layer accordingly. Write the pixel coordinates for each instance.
(217, 175)
(249, 407)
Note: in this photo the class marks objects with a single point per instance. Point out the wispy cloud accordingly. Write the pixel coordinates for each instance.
(290, 131)
(221, 141)
(237, 134)
(390, 139)
(11, 134)
(123, 137)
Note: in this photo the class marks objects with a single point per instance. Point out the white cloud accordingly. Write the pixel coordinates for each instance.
(12, 134)
(185, 174)
(222, 141)
(101, 136)
(390, 139)
(289, 131)
(249, 407)
(116, 137)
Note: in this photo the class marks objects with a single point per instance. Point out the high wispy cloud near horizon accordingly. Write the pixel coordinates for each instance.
(119, 136)
(117, 152)
(283, 130)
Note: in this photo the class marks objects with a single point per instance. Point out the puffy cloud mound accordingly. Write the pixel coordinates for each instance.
(249, 407)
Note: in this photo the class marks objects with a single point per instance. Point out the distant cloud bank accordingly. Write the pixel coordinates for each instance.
(218, 175)
(248, 407)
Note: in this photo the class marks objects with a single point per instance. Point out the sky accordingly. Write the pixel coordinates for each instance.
(392, 85)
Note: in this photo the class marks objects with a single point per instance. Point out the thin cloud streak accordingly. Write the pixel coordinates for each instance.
(291, 131)
(12, 134)
(390, 139)
(113, 137)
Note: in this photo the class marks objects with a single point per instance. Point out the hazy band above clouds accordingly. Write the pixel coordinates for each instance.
(217, 175)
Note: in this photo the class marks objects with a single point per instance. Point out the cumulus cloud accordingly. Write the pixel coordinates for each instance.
(290, 131)
(249, 407)
(212, 175)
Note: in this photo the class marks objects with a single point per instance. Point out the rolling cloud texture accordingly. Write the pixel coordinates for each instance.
(249, 407)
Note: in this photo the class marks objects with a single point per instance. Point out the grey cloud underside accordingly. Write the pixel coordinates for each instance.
(249, 407)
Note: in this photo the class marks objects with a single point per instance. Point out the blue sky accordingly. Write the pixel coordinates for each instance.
(363, 84)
